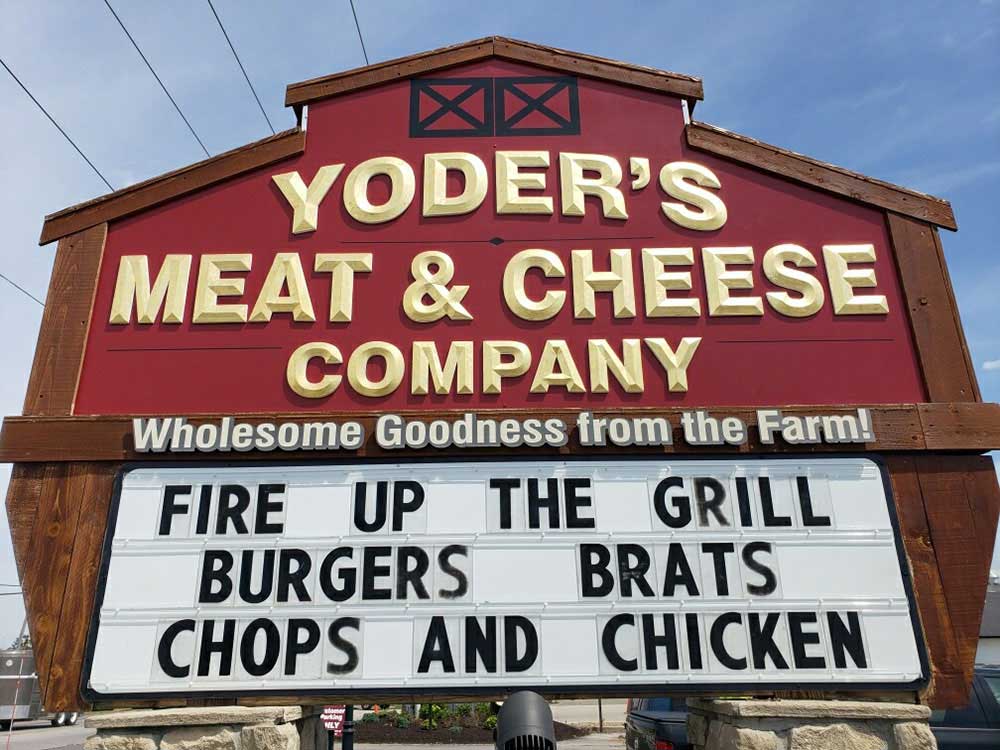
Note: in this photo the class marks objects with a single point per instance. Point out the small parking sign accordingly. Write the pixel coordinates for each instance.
(333, 719)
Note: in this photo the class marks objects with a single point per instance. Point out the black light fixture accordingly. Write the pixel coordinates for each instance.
(525, 723)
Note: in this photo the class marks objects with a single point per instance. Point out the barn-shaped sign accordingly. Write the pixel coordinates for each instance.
(499, 371)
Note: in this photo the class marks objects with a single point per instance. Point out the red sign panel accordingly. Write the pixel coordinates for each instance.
(781, 303)
(333, 719)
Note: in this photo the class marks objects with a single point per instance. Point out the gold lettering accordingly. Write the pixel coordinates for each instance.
(719, 280)
(437, 202)
(286, 270)
(627, 370)
(401, 191)
(357, 369)
(211, 286)
(675, 363)
(844, 280)
(132, 287)
(686, 181)
(618, 281)
(656, 282)
(511, 181)
(639, 167)
(426, 368)
(557, 368)
(496, 367)
(305, 200)
(341, 267)
(298, 363)
(811, 292)
(575, 186)
(433, 285)
(514, 293)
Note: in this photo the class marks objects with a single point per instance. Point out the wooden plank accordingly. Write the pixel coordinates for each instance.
(174, 184)
(552, 58)
(23, 493)
(687, 87)
(95, 483)
(963, 552)
(65, 322)
(959, 426)
(51, 548)
(953, 304)
(984, 499)
(819, 174)
(937, 329)
(303, 92)
(948, 686)
(109, 438)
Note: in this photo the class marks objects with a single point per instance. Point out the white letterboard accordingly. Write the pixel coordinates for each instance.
(465, 577)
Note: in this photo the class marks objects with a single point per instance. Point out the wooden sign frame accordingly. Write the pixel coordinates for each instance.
(946, 492)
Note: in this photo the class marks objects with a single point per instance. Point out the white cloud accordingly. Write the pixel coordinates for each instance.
(991, 364)
(875, 95)
(946, 180)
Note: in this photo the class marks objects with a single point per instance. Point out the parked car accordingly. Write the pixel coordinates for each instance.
(19, 695)
(977, 725)
(656, 724)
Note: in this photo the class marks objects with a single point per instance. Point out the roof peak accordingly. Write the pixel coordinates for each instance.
(683, 86)
(139, 197)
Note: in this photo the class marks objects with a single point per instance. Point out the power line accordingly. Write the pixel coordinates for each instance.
(58, 127)
(23, 291)
(238, 62)
(360, 37)
(148, 65)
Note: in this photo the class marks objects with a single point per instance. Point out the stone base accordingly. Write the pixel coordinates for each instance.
(808, 725)
(214, 728)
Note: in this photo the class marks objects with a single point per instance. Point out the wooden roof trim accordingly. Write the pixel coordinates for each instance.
(172, 185)
(678, 84)
(687, 87)
(303, 92)
(819, 174)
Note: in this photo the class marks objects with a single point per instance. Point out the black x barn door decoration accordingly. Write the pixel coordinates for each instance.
(456, 107)
(448, 107)
(543, 105)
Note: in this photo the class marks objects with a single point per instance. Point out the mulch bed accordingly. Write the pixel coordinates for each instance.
(371, 732)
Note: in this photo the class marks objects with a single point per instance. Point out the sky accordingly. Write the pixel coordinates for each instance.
(906, 92)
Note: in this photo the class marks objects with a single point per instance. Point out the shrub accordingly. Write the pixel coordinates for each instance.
(402, 720)
(431, 715)
(480, 712)
(490, 722)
